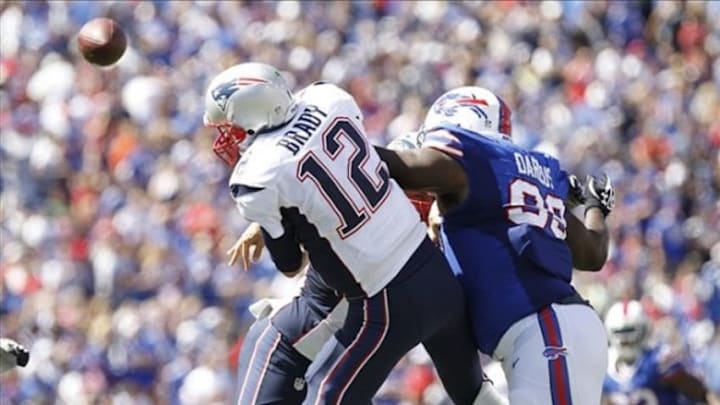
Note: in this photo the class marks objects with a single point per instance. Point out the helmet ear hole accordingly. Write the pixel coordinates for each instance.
(251, 132)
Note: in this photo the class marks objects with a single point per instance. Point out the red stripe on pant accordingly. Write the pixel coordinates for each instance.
(557, 365)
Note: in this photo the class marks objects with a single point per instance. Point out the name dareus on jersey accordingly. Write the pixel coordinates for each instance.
(529, 166)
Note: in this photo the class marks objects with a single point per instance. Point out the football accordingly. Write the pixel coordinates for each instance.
(101, 41)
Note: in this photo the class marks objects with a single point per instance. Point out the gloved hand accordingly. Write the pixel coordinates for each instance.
(12, 354)
(599, 193)
(575, 192)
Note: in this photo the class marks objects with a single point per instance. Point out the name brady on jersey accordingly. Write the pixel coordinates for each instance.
(301, 130)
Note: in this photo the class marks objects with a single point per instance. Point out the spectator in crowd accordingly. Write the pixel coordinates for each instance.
(114, 217)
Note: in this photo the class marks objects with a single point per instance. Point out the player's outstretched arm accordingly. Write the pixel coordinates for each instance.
(285, 253)
(424, 169)
(249, 248)
(588, 240)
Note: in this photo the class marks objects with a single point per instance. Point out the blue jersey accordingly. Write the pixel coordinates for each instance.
(506, 241)
(643, 383)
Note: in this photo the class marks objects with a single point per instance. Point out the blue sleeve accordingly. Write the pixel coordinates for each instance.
(669, 360)
(563, 183)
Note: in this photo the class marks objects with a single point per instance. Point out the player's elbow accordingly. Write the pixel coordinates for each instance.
(291, 273)
(594, 266)
(592, 259)
(289, 268)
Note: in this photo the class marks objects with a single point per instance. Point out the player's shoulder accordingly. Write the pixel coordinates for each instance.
(465, 137)
(260, 165)
(545, 157)
(327, 97)
(666, 357)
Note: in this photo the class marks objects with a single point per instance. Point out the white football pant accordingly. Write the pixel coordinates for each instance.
(557, 356)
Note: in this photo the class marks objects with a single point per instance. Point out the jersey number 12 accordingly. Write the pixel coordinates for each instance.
(373, 193)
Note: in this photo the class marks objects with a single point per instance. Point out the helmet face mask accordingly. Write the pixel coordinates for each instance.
(628, 341)
(628, 327)
(229, 142)
(243, 101)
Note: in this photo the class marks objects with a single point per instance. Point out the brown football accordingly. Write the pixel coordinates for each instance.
(101, 41)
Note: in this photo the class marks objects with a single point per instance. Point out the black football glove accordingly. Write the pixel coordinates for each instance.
(12, 354)
(599, 193)
(575, 193)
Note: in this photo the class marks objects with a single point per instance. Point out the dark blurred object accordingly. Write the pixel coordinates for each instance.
(102, 41)
(12, 354)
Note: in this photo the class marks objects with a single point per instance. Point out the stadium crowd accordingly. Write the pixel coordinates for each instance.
(115, 214)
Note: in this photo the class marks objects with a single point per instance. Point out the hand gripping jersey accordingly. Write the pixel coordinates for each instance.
(422, 201)
(506, 240)
(641, 383)
(318, 176)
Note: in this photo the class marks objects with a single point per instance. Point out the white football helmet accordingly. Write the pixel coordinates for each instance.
(628, 326)
(474, 109)
(241, 102)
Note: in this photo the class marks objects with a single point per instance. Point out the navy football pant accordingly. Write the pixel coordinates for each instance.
(270, 370)
(424, 303)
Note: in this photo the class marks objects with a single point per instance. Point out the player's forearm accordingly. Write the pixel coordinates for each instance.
(303, 263)
(291, 270)
(424, 169)
(285, 253)
(598, 232)
(588, 240)
(399, 169)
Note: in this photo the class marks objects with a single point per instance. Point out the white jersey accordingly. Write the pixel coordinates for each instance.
(319, 175)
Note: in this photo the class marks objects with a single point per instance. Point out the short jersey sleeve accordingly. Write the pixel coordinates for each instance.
(669, 360)
(561, 181)
(254, 187)
(444, 141)
(259, 205)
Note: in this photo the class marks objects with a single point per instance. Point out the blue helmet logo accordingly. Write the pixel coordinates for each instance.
(222, 93)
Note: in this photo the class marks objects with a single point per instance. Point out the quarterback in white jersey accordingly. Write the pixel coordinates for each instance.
(336, 169)
(307, 174)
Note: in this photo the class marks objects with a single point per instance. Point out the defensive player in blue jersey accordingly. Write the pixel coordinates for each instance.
(640, 373)
(510, 238)
(304, 171)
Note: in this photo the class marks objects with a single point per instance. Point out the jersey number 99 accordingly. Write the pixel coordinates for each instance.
(529, 206)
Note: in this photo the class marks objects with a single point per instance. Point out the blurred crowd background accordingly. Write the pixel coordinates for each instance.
(115, 216)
